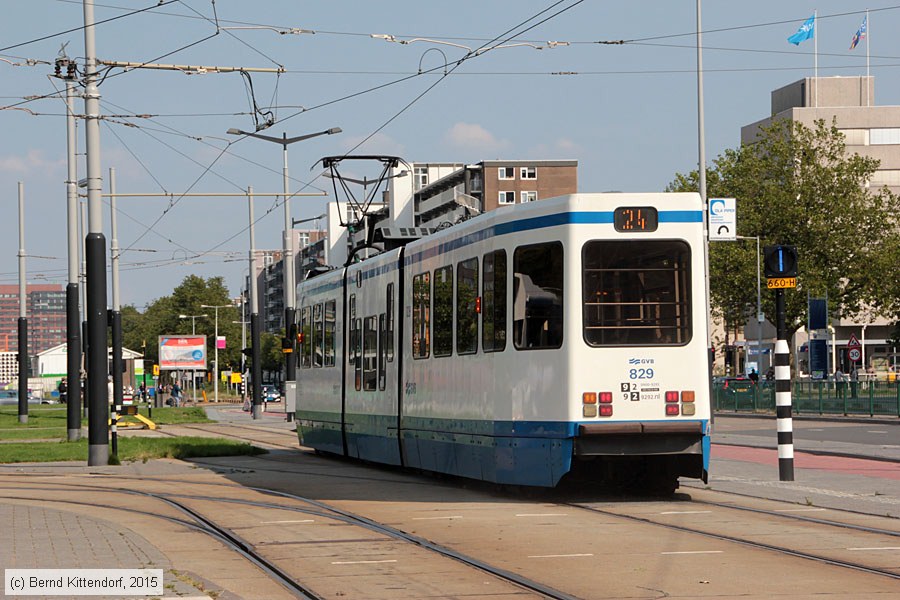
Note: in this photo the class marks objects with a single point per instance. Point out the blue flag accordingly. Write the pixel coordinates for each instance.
(860, 34)
(806, 31)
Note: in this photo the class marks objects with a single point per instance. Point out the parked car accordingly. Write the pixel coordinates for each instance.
(270, 393)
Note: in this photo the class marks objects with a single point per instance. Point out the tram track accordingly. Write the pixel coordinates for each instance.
(744, 541)
(227, 536)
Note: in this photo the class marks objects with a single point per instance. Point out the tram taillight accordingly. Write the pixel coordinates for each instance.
(671, 397)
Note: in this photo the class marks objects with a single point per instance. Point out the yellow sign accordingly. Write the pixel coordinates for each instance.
(156, 369)
(775, 283)
(235, 378)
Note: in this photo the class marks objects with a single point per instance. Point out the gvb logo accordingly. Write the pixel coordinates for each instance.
(640, 361)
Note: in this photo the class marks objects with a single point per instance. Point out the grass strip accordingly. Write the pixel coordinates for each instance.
(131, 449)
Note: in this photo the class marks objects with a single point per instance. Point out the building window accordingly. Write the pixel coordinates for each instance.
(506, 173)
(856, 137)
(528, 197)
(421, 180)
(884, 136)
(889, 177)
(303, 240)
(507, 198)
(528, 173)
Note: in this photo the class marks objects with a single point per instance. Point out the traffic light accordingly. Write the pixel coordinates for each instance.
(286, 346)
(780, 261)
(247, 352)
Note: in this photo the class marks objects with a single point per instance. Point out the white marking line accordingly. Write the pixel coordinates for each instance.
(542, 515)
(876, 431)
(884, 548)
(361, 562)
(279, 522)
(558, 555)
(800, 510)
(685, 512)
(815, 430)
(436, 518)
(696, 552)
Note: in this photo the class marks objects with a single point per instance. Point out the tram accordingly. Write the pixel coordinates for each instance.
(566, 337)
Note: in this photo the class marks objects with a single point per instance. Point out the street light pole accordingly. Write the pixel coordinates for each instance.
(216, 308)
(193, 319)
(290, 361)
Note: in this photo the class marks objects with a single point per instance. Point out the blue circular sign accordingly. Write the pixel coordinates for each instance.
(197, 355)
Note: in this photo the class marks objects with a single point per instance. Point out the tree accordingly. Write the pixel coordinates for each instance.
(797, 185)
(161, 318)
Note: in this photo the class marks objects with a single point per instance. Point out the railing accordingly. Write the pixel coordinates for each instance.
(870, 398)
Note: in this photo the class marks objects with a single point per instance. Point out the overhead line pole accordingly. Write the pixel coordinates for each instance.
(73, 318)
(98, 371)
(23, 319)
(115, 314)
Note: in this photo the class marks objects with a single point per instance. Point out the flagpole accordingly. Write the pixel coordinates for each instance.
(816, 59)
(868, 37)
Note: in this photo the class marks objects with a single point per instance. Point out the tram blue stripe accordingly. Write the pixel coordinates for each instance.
(544, 221)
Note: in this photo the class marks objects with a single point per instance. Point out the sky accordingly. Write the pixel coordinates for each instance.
(627, 112)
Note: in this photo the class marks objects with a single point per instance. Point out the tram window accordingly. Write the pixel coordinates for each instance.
(443, 311)
(493, 302)
(637, 293)
(306, 345)
(382, 367)
(318, 342)
(370, 353)
(466, 317)
(421, 305)
(330, 308)
(538, 296)
(389, 332)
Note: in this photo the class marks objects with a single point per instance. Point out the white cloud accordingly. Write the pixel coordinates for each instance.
(474, 137)
(31, 161)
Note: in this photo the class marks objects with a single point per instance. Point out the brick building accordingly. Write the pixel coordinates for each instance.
(46, 313)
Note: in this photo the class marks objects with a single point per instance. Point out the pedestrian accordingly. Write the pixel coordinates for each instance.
(854, 382)
(770, 374)
(839, 382)
(176, 394)
(754, 376)
(63, 390)
(110, 389)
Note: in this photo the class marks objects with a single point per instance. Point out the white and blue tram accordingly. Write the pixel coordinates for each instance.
(562, 336)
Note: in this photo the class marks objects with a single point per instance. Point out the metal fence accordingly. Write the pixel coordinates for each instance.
(871, 398)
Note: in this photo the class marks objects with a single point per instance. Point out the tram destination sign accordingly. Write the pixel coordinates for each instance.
(777, 283)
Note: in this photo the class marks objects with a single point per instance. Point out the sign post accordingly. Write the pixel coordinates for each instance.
(781, 273)
(722, 219)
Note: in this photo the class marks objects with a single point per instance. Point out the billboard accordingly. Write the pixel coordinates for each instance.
(186, 352)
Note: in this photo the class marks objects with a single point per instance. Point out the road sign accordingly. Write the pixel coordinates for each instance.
(722, 219)
(775, 283)
(854, 348)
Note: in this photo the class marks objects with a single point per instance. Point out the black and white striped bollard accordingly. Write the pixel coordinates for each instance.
(783, 411)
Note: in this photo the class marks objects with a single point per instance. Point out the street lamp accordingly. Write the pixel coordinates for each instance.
(193, 319)
(290, 363)
(216, 308)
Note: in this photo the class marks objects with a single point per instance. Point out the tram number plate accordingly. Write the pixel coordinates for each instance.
(774, 283)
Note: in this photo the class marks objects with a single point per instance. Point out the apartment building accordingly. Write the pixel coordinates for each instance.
(45, 308)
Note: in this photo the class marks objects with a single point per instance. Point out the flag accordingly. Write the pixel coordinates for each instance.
(859, 35)
(806, 31)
